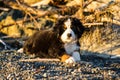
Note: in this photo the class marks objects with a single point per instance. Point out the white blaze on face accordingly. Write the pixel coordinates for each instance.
(68, 23)
(68, 35)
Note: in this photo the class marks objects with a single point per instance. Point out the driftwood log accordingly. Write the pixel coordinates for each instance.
(38, 60)
(25, 8)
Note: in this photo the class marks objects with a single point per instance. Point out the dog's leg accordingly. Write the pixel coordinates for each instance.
(74, 58)
(64, 57)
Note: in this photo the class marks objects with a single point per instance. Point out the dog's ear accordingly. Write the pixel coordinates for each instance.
(58, 25)
(79, 26)
(55, 28)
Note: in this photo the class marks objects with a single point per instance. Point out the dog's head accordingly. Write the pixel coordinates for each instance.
(69, 29)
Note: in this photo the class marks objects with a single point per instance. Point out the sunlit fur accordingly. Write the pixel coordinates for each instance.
(62, 39)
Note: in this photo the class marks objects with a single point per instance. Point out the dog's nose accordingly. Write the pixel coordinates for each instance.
(69, 34)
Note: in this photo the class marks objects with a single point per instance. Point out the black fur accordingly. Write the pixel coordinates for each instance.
(44, 43)
(47, 43)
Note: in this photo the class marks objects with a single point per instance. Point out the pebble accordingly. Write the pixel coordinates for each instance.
(45, 75)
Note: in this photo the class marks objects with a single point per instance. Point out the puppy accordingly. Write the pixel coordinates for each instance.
(61, 41)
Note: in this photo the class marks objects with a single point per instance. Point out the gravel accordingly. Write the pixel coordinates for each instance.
(90, 68)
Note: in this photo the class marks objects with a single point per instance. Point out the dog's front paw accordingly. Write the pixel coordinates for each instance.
(74, 58)
(70, 60)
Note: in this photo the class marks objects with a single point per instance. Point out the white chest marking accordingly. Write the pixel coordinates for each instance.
(71, 47)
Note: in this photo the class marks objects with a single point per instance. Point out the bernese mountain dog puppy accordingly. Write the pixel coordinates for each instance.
(61, 41)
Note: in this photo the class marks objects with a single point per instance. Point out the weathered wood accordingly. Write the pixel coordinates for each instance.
(38, 60)
(103, 7)
(25, 8)
(92, 24)
(87, 3)
(79, 13)
(43, 2)
(17, 22)
(4, 9)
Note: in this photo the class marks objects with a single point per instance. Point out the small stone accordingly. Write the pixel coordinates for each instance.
(8, 76)
(45, 75)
